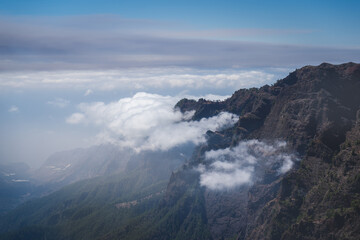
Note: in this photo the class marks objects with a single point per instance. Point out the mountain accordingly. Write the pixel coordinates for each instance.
(66, 167)
(18, 183)
(288, 169)
(316, 110)
(93, 207)
(15, 186)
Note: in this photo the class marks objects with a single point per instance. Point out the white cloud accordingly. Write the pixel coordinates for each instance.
(148, 122)
(287, 164)
(59, 102)
(75, 118)
(138, 79)
(13, 109)
(88, 92)
(19, 180)
(243, 164)
(211, 97)
(225, 180)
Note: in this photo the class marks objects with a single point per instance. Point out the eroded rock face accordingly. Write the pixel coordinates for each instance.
(226, 212)
(316, 111)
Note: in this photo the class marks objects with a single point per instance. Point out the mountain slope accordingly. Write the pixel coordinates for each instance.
(63, 168)
(316, 112)
(91, 208)
(314, 109)
(15, 186)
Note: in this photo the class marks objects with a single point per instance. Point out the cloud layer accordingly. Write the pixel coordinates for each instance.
(111, 42)
(147, 122)
(243, 164)
(108, 52)
(137, 79)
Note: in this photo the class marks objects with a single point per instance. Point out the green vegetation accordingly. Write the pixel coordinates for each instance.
(88, 209)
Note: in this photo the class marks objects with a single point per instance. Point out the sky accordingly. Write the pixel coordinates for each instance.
(56, 57)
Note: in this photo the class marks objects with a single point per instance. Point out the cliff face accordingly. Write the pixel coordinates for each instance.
(316, 111)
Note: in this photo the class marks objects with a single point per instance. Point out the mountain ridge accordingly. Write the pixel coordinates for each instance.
(312, 110)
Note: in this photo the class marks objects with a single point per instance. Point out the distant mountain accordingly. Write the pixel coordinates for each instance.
(95, 206)
(15, 186)
(18, 183)
(288, 169)
(67, 167)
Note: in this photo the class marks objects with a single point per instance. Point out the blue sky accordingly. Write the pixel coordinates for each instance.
(56, 56)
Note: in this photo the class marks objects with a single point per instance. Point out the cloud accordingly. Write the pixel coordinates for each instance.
(148, 122)
(109, 52)
(75, 118)
(221, 178)
(59, 102)
(88, 92)
(211, 97)
(13, 109)
(287, 164)
(138, 79)
(231, 33)
(110, 42)
(244, 164)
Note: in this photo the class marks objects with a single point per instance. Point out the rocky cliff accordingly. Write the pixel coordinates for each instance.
(316, 110)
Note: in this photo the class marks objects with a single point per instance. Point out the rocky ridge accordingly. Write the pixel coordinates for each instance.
(316, 111)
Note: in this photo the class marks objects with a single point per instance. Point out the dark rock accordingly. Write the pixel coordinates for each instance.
(316, 110)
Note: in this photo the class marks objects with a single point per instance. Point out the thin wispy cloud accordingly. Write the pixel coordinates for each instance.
(13, 109)
(59, 102)
(88, 92)
(75, 118)
(231, 33)
(100, 42)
